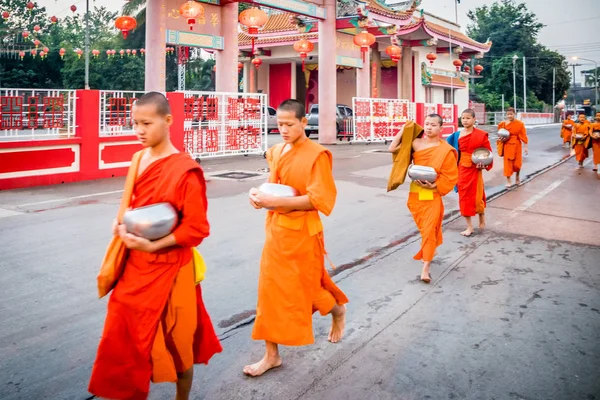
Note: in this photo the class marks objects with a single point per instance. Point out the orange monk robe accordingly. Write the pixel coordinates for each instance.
(471, 193)
(293, 281)
(581, 145)
(156, 323)
(596, 143)
(429, 214)
(567, 130)
(513, 149)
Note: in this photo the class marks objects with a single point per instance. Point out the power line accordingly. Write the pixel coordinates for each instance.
(573, 20)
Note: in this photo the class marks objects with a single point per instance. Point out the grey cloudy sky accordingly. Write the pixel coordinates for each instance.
(573, 26)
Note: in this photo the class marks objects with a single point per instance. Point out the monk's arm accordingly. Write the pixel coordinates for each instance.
(285, 205)
(395, 145)
(448, 175)
(487, 145)
(193, 226)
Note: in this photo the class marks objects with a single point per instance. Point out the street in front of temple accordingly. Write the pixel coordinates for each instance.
(512, 313)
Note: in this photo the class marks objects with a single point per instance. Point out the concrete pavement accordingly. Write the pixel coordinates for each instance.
(53, 238)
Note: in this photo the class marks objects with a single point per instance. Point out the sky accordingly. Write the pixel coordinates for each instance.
(572, 31)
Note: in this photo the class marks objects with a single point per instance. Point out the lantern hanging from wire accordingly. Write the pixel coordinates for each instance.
(5, 15)
(457, 63)
(240, 67)
(73, 8)
(25, 34)
(22, 55)
(253, 18)
(134, 52)
(61, 53)
(79, 53)
(191, 10)
(37, 28)
(125, 24)
(364, 40)
(303, 47)
(53, 19)
(467, 69)
(257, 62)
(36, 43)
(395, 52)
(95, 53)
(478, 69)
(143, 52)
(431, 57)
(43, 54)
(30, 6)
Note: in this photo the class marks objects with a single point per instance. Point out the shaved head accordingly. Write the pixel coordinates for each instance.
(157, 99)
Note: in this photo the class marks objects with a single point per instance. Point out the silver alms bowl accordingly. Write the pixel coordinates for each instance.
(151, 222)
(503, 133)
(278, 190)
(579, 136)
(596, 134)
(422, 173)
(482, 156)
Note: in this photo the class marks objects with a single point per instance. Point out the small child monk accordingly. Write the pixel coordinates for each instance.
(156, 327)
(293, 281)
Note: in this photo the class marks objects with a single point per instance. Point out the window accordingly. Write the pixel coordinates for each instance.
(448, 96)
(428, 95)
(272, 111)
(348, 111)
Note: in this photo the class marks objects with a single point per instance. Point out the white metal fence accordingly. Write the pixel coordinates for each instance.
(221, 124)
(30, 114)
(379, 120)
(115, 112)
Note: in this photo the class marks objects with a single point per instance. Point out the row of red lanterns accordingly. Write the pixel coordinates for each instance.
(95, 52)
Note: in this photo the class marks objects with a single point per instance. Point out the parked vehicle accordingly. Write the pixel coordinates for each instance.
(343, 119)
(271, 120)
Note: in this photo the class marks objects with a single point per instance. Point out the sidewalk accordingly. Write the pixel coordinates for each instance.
(512, 313)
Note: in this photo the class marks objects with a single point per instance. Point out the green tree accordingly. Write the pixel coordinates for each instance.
(514, 30)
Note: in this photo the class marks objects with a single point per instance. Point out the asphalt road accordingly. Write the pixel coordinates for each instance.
(53, 238)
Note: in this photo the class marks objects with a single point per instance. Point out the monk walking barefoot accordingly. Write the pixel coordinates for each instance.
(293, 281)
(470, 186)
(513, 147)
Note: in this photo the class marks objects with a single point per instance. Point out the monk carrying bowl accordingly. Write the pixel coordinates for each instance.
(278, 190)
(422, 173)
(482, 156)
(151, 222)
(503, 133)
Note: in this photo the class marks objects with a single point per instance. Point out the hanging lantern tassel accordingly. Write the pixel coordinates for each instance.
(364, 40)
(303, 47)
(254, 18)
(303, 57)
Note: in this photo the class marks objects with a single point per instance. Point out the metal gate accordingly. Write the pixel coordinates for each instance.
(379, 120)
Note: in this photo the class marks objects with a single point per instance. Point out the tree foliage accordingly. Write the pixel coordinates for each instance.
(109, 73)
(514, 31)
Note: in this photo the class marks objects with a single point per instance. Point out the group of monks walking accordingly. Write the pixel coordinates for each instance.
(157, 328)
(582, 135)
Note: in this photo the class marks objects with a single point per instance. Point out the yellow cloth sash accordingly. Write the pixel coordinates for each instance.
(199, 265)
(424, 193)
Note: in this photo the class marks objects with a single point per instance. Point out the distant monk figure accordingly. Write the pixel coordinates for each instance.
(566, 130)
(512, 148)
(471, 193)
(596, 142)
(156, 327)
(581, 139)
(293, 281)
(425, 198)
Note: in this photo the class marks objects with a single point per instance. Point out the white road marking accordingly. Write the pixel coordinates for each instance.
(65, 199)
(4, 213)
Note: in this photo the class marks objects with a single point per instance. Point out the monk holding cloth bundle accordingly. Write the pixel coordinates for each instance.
(474, 155)
(293, 281)
(433, 172)
(156, 327)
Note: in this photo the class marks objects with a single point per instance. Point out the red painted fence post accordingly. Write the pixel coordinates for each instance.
(420, 111)
(87, 122)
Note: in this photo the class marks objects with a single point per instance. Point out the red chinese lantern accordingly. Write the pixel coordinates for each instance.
(113, 52)
(36, 43)
(33, 52)
(43, 54)
(46, 50)
(37, 28)
(143, 51)
(62, 52)
(303, 47)
(467, 69)
(457, 63)
(254, 18)
(395, 52)
(73, 8)
(30, 6)
(122, 53)
(478, 69)
(364, 40)
(79, 53)
(125, 24)
(25, 34)
(108, 53)
(53, 19)
(191, 10)
(214, 68)
(5, 15)
(128, 51)
(134, 52)
(257, 62)
(22, 55)
(431, 57)
(95, 53)
(240, 66)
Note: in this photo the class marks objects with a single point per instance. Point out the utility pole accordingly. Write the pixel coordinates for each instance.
(553, 86)
(574, 101)
(87, 44)
(515, 58)
(524, 86)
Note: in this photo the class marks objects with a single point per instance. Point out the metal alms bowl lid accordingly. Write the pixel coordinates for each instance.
(422, 173)
(482, 156)
(503, 133)
(151, 222)
(277, 189)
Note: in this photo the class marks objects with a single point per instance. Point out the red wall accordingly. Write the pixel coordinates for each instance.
(280, 83)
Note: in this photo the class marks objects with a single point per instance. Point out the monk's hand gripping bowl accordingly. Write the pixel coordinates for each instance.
(278, 190)
(503, 133)
(422, 173)
(596, 134)
(151, 222)
(482, 156)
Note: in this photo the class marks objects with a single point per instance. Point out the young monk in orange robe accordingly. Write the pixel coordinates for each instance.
(566, 131)
(471, 193)
(293, 281)
(425, 198)
(596, 141)
(513, 149)
(584, 128)
(157, 327)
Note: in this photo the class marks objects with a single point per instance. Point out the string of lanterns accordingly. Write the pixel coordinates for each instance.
(95, 52)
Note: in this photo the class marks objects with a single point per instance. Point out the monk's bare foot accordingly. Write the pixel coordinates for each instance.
(467, 232)
(259, 368)
(425, 277)
(338, 323)
(481, 221)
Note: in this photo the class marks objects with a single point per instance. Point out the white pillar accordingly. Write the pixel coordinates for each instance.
(227, 59)
(156, 39)
(327, 76)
